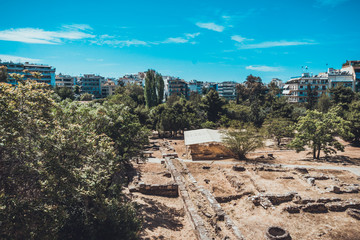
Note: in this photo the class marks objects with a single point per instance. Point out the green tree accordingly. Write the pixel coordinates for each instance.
(341, 94)
(57, 175)
(86, 97)
(324, 103)
(242, 141)
(317, 130)
(64, 93)
(3, 74)
(154, 88)
(311, 96)
(213, 105)
(279, 128)
(353, 116)
(159, 88)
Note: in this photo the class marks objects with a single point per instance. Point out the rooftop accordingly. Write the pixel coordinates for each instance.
(202, 136)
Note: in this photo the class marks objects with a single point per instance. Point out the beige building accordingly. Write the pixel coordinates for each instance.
(205, 144)
(108, 88)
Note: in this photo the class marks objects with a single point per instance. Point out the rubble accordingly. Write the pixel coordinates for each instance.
(315, 208)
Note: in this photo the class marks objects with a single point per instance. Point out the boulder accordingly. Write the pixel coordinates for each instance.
(238, 168)
(315, 208)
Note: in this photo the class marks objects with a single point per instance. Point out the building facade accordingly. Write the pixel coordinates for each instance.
(91, 83)
(195, 86)
(132, 79)
(227, 90)
(65, 81)
(296, 90)
(175, 86)
(108, 88)
(26, 69)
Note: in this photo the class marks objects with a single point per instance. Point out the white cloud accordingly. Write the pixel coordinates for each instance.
(331, 3)
(274, 44)
(40, 36)
(125, 43)
(17, 59)
(94, 59)
(263, 68)
(211, 26)
(176, 40)
(78, 26)
(239, 38)
(192, 35)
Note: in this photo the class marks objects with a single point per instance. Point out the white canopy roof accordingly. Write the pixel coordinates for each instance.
(202, 136)
(286, 92)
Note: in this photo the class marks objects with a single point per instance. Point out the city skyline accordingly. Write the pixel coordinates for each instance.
(207, 41)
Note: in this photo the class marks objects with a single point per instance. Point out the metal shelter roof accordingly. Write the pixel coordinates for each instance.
(202, 136)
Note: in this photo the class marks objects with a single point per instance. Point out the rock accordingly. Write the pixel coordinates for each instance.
(206, 167)
(277, 199)
(311, 181)
(238, 168)
(351, 189)
(334, 189)
(270, 155)
(336, 207)
(301, 170)
(286, 177)
(327, 200)
(167, 174)
(206, 181)
(292, 209)
(208, 215)
(277, 233)
(355, 213)
(315, 208)
(304, 201)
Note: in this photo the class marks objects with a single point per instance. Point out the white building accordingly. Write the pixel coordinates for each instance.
(65, 81)
(195, 86)
(227, 90)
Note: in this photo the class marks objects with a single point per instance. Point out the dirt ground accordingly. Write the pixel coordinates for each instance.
(164, 218)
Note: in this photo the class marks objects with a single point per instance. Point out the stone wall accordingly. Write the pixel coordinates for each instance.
(168, 190)
(208, 151)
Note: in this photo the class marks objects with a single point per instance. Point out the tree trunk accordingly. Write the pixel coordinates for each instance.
(314, 152)
(318, 154)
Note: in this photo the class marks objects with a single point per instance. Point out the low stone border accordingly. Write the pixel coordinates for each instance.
(221, 215)
(168, 190)
(196, 221)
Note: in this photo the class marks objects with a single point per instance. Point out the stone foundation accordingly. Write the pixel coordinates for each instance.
(169, 190)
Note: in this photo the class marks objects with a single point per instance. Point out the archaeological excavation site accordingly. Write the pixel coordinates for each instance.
(274, 194)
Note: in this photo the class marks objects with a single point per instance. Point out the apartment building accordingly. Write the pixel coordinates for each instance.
(175, 86)
(25, 69)
(195, 86)
(227, 90)
(108, 88)
(65, 81)
(136, 79)
(296, 89)
(91, 83)
(353, 67)
(279, 83)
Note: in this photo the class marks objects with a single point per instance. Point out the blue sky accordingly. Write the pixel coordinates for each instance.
(203, 40)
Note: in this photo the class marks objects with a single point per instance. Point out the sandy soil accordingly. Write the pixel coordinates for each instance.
(254, 220)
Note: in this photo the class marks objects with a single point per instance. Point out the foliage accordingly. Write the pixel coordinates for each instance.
(64, 93)
(242, 141)
(311, 96)
(154, 88)
(213, 105)
(317, 130)
(353, 116)
(86, 97)
(3, 74)
(341, 94)
(57, 171)
(324, 103)
(279, 128)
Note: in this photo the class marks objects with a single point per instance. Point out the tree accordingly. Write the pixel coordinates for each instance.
(278, 128)
(353, 116)
(318, 130)
(154, 88)
(64, 93)
(86, 97)
(341, 94)
(159, 88)
(311, 96)
(324, 103)
(3, 74)
(242, 141)
(213, 105)
(57, 175)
